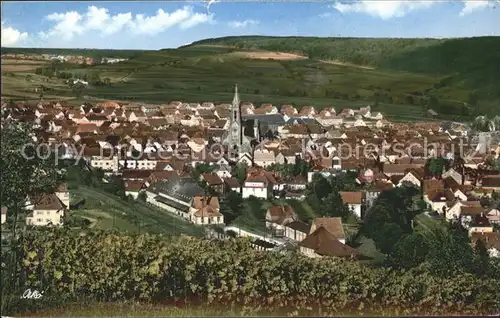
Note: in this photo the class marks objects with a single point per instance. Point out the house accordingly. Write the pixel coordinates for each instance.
(232, 184)
(297, 183)
(46, 210)
(491, 183)
(332, 225)
(297, 230)
(354, 201)
(411, 177)
(245, 158)
(479, 224)
(372, 193)
(205, 210)
(454, 209)
(213, 181)
(493, 216)
(224, 171)
(322, 243)
(4, 214)
(452, 173)
(491, 241)
(258, 183)
(263, 158)
(133, 187)
(62, 193)
(175, 196)
(285, 156)
(262, 245)
(437, 199)
(277, 217)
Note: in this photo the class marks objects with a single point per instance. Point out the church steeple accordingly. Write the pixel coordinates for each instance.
(236, 98)
(235, 106)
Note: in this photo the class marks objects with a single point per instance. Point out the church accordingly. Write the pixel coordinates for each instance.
(234, 138)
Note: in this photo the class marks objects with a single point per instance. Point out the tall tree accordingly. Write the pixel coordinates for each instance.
(28, 168)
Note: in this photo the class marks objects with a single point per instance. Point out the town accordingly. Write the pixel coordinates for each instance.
(189, 159)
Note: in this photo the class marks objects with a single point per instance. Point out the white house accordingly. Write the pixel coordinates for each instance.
(46, 210)
(264, 157)
(259, 184)
(354, 201)
(277, 217)
(297, 230)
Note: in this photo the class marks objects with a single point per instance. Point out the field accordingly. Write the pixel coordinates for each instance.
(108, 212)
(280, 73)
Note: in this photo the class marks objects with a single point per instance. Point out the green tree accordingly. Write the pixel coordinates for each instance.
(435, 166)
(450, 251)
(240, 172)
(333, 206)
(28, 168)
(410, 251)
(319, 188)
(231, 206)
(78, 89)
(482, 256)
(142, 196)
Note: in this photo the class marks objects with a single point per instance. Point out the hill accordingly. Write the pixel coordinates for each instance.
(400, 77)
(94, 53)
(469, 63)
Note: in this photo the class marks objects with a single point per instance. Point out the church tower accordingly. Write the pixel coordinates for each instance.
(234, 138)
(235, 127)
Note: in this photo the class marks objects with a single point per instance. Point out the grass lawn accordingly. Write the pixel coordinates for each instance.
(110, 212)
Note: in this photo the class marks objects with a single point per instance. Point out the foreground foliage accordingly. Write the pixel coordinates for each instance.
(103, 266)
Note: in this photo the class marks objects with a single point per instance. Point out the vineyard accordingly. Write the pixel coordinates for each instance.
(98, 266)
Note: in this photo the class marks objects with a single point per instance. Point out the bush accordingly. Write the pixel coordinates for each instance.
(105, 266)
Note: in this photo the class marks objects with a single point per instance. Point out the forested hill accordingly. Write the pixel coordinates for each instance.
(468, 65)
(432, 56)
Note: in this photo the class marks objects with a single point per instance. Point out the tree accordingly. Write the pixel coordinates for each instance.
(391, 217)
(450, 251)
(319, 187)
(78, 89)
(240, 172)
(410, 251)
(435, 166)
(231, 206)
(28, 168)
(95, 79)
(333, 206)
(482, 256)
(142, 196)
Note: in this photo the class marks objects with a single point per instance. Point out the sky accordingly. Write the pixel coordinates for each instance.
(169, 24)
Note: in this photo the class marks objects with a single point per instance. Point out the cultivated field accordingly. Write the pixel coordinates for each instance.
(280, 56)
(13, 65)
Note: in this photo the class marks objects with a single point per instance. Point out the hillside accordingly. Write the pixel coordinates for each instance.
(94, 53)
(401, 78)
(471, 64)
